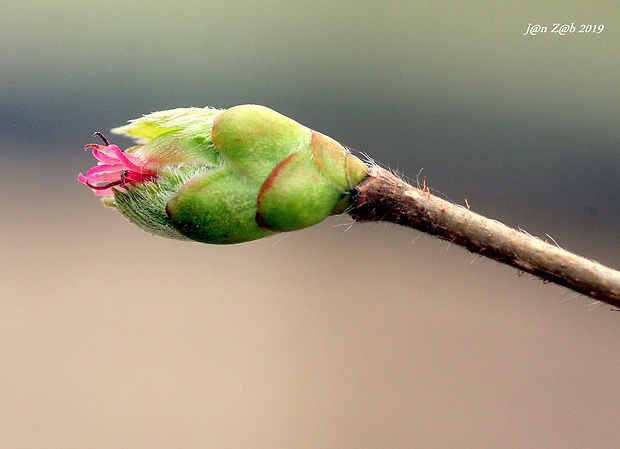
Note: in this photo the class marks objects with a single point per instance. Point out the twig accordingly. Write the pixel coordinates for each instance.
(385, 197)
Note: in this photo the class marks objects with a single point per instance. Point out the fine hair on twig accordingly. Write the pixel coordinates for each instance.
(384, 196)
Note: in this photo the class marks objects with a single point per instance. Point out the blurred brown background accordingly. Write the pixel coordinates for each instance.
(336, 336)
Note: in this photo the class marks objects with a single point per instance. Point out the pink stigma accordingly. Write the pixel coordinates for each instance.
(115, 168)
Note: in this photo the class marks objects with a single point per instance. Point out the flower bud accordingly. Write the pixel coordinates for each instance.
(223, 177)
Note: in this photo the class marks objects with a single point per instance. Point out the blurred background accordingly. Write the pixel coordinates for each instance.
(338, 336)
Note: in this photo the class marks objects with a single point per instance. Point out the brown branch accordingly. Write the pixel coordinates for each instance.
(385, 197)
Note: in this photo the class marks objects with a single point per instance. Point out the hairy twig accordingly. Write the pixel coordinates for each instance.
(385, 197)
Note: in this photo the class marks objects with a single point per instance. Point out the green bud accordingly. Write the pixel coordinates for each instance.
(224, 176)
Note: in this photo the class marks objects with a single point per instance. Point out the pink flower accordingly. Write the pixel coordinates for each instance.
(116, 168)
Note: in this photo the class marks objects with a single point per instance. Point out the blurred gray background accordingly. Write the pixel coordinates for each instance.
(335, 336)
